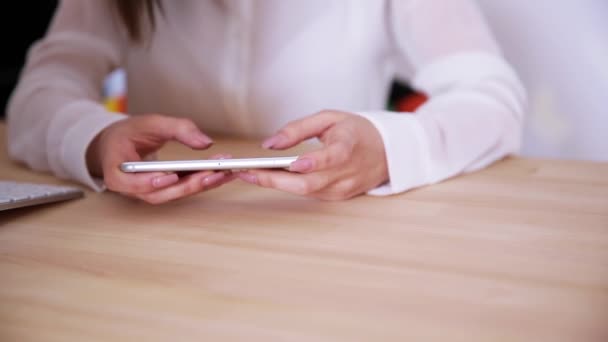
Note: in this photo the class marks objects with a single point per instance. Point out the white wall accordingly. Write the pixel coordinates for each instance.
(560, 48)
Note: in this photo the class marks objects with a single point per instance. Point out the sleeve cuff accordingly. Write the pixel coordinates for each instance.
(87, 120)
(405, 145)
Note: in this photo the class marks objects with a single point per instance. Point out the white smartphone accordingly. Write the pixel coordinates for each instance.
(208, 164)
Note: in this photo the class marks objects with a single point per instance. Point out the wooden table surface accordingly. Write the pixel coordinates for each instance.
(516, 252)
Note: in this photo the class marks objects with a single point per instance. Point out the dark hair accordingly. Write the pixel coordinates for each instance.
(134, 13)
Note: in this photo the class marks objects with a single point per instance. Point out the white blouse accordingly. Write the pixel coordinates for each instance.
(248, 67)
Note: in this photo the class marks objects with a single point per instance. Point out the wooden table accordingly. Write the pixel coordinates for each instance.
(516, 252)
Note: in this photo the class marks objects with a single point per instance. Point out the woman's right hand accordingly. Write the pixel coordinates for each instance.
(136, 137)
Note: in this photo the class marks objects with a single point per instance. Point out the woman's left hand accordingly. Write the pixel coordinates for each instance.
(352, 160)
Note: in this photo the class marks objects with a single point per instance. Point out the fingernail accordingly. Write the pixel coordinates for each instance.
(213, 178)
(248, 177)
(162, 181)
(301, 165)
(204, 140)
(273, 141)
(221, 156)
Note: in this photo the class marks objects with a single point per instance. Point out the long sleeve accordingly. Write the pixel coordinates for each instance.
(55, 111)
(476, 102)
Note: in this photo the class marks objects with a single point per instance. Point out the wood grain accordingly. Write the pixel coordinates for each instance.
(516, 252)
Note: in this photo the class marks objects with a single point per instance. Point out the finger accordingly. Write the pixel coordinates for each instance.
(302, 129)
(181, 129)
(331, 156)
(119, 181)
(228, 177)
(286, 181)
(221, 156)
(187, 186)
(139, 183)
(164, 180)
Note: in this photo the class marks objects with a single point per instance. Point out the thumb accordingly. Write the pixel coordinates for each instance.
(180, 129)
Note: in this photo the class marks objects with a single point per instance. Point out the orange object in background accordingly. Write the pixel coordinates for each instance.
(116, 104)
(115, 92)
(411, 102)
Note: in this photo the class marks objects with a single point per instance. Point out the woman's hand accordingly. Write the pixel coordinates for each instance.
(136, 137)
(351, 162)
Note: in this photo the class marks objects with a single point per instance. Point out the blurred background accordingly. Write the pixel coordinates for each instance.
(559, 48)
(21, 23)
